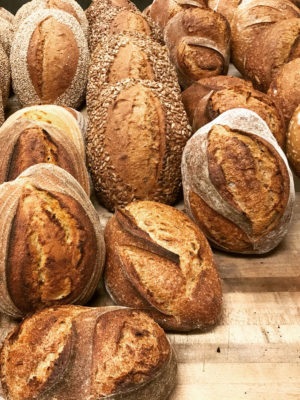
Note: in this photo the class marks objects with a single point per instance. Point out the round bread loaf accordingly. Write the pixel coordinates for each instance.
(4, 76)
(25, 143)
(293, 142)
(198, 40)
(71, 122)
(52, 244)
(6, 32)
(237, 184)
(137, 132)
(163, 10)
(159, 261)
(50, 59)
(225, 7)
(123, 20)
(70, 352)
(69, 6)
(129, 56)
(217, 101)
(285, 88)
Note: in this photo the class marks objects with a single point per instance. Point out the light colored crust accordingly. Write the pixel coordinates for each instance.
(22, 83)
(49, 179)
(6, 15)
(6, 33)
(197, 179)
(121, 173)
(293, 142)
(197, 50)
(4, 76)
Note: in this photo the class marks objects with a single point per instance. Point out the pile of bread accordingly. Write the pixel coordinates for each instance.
(162, 117)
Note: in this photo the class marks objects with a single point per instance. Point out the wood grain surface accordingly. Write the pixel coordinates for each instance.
(254, 352)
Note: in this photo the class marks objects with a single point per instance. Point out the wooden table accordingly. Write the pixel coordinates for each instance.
(254, 352)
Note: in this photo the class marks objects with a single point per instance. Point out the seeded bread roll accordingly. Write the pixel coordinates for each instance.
(198, 40)
(129, 56)
(69, 6)
(159, 261)
(163, 10)
(237, 184)
(293, 142)
(225, 7)
(285, 88)
(6, 32)
(136, 135)
(49, 60)
(218, 101)
(52, 245)
(25, 143)
(122, 20)
(4, 76)
(68, 353)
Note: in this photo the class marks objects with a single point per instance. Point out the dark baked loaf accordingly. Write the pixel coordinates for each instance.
(50, 59)
(237, 183)
(52, 243)
(71, 353)
(158, 260)
(137, 132)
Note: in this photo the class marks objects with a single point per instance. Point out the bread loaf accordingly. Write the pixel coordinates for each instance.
(6, 15)
(237, 183)
(198, 40)
(4, 76)
(217, 101)
(69, 6)
(49, 59)
(159, 261)
(52, 245)
(25, 143)
(225, 7)
(293, 142)
(6, 31)
(129, 56)
(2, 116)
(136, 135)
(71, 353)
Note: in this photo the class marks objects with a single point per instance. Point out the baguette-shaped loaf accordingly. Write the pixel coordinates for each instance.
(158, 260)
(72, 353)
(136, 135)
(52, 248)
(237, 183)
(50, 59)
(25, 143)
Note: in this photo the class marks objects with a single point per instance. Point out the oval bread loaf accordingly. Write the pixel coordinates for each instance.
(159, 261)
(52, 244)
(70, 353)
(47, 69)
(237, 183)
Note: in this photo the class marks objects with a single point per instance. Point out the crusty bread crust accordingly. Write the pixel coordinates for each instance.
(293, 142)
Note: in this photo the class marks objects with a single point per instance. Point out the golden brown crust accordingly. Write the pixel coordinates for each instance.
(293, 142)
(225, 7)
(151, 267)
(198, 40)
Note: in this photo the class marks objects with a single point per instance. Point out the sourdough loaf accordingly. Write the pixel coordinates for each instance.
(237, 183)
(136, 135)
(49, 59)
(25, 143)
(52, 244)
(293, 142)
(159, 261)
(225, 7)
(71, 353)
(4, 76)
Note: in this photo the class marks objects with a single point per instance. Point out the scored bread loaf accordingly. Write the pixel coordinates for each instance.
(52, 244)
(136, 135)
(293, 142)
(159, 261)
(71, 353)
(237, 183)
(25, 143)
(50, 59)
(225, 7)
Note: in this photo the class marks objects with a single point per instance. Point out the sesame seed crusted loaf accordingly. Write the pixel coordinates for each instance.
(237, 183)
(69, 6)
(4, 76)
(159, 261)
(132, 56)
(117, 20)
(71, 353)
(293, 142)
(52, 248)
(136, 135)
(25, 143)
(45, 68)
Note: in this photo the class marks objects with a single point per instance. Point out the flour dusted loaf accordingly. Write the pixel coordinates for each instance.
(25, 143)
(71, 353)
(237, 184)
(158, 260)
(6, 29)
(52, 244)
(50, 59)
(136, 135)
(4, 76)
